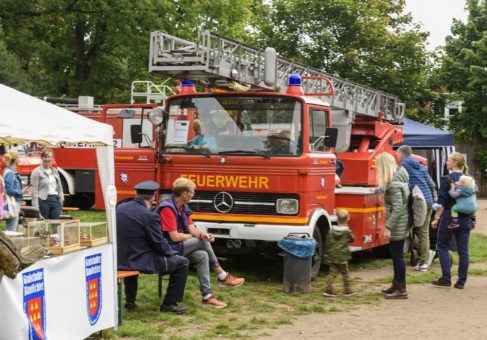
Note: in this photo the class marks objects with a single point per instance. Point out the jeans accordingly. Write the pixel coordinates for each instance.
(13, 222)
(396, 249)
(462, 236)
(51, 207)
(201, 254)
(422, 240)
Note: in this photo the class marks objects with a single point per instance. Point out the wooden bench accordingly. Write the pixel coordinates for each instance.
(121, 274)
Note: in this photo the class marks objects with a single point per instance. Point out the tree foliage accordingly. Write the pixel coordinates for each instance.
(370, 42)
(464, 70)
(97, 47)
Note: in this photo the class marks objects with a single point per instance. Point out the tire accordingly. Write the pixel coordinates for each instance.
(317, 259)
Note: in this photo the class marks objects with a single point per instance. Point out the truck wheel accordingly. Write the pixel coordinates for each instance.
(317, 258)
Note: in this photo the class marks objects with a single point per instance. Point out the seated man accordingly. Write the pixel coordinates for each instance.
(187, 240)
(142, 247)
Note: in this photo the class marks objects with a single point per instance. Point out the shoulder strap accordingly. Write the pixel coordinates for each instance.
(449, 179)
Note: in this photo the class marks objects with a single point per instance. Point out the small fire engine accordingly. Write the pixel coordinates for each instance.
(260, 142)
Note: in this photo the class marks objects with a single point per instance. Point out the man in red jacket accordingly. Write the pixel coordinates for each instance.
(191, 242)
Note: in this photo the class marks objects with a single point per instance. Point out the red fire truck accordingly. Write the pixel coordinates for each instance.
(260, 142)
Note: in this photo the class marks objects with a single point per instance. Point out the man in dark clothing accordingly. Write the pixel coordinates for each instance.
(142, 247)
(418, 175)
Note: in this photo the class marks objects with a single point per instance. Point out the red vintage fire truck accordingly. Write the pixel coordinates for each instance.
(260, 142)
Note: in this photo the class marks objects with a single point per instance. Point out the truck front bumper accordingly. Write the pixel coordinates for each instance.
(245, 231)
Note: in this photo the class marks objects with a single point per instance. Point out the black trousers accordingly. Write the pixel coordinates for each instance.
(177, 268)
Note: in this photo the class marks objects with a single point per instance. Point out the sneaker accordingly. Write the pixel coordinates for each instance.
(459, 285)
(417, 268)
(213, 302)
(431, 257)
(175, 309)
(442, 283)
(231, 281)
(329, 293)
(398, 294)
(423, 268)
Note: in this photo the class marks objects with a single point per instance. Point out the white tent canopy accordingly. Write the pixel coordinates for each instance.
(24, 118)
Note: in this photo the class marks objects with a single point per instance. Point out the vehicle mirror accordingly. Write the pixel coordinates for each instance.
(330, 138)
(136, 134)
(126, 113)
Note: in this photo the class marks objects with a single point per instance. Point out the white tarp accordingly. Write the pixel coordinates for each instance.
(27, 119)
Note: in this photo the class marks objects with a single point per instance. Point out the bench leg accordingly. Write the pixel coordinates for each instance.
(120, 286)
(159, 290)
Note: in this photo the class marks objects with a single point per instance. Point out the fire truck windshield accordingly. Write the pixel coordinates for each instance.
(243, 125)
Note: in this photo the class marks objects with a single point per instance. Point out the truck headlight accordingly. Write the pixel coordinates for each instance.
(156, 116)
(287, 206)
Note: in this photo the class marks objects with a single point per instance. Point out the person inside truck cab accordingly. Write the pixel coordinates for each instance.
(280, 143)
(200, 140)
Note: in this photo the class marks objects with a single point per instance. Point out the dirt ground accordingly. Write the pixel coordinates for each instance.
(429, 313)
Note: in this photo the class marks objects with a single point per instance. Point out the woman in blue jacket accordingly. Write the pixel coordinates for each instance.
(457, 166)
(13, 186)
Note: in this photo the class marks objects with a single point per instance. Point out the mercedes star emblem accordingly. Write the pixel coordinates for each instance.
(223, 202)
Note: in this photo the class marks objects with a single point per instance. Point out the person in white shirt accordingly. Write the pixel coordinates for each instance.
(47, 190)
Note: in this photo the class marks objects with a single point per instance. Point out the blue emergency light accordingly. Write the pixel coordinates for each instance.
(295, 85)
(295, 80)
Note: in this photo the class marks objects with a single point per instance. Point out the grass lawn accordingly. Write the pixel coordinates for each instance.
(257, 306)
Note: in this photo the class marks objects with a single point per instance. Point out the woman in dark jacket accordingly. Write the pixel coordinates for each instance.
(457, 166)
(394, 181)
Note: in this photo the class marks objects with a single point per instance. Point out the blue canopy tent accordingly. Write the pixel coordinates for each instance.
(418, 135)
(422, 136)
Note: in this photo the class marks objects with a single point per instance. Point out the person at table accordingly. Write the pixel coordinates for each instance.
(47, 190)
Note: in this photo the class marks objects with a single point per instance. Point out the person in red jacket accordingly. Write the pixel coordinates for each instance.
(191, 242)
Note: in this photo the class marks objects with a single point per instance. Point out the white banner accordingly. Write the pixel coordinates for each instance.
(64, 297)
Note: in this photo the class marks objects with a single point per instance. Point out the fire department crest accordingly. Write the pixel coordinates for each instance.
(124, 177)
(35, 303)
(93, 287)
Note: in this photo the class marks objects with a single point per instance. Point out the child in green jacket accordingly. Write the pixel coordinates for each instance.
(336, 248)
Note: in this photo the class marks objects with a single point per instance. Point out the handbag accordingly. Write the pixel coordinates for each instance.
(9, 207)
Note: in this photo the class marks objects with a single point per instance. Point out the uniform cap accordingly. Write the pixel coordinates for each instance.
(146, 187)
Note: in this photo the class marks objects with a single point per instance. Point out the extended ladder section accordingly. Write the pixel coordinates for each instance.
(219, 61)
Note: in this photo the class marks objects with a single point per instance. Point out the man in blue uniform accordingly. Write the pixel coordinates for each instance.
(142, 247)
